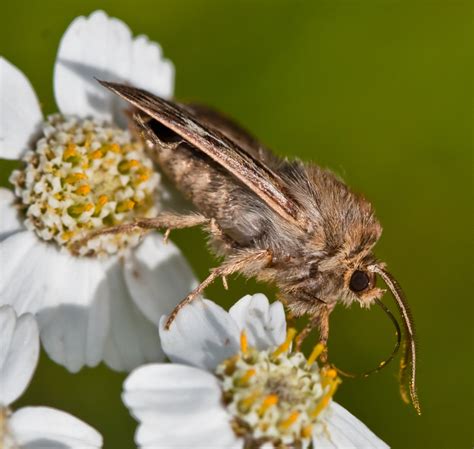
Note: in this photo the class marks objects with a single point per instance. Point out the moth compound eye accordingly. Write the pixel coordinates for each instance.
(359, 281)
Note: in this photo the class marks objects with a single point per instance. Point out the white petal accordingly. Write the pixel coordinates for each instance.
(178, 407)
(68, 295)
(102, 47)
(264, 324)
(92, 47)
(346, 431)
(149, 70)
(132, 340)
(158, 277)
(9, 219)
(20, 113)
(44, 427)
(203, 335)
(19, 351)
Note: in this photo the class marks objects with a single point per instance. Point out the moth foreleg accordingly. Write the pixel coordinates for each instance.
(319, 320)
(301, 337)
(165, 220)
(247, 260)
(323, 325)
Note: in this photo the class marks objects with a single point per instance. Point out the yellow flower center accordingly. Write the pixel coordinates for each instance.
(84, 175)
(277, 396)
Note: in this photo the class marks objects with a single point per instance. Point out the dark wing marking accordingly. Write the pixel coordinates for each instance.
(233, 131)
(266, 184)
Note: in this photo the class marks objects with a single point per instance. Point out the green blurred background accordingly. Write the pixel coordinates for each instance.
(379, 91)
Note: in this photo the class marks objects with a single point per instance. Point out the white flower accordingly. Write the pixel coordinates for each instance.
(230, 387)
(31, 427)
(81, 171)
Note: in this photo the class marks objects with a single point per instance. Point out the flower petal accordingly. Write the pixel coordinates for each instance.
(19, 351)
(203, 334)
(102, 47)
(264, 324)
(158, 277)
(44, 427)
(92, 47)
(132, 340)
(9, 219)
(68, 295)
(344, 430)
(163, 396)
(149, 70)
(20, 113)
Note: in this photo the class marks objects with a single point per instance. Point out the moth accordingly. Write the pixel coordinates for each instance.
(287, 222)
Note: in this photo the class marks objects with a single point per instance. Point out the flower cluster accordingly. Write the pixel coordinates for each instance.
(233, 381)
(82, 170)
(210, 393)
(84, 175)
(275, 395)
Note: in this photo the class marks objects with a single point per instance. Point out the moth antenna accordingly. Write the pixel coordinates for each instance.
(395, 350)
(408, 361)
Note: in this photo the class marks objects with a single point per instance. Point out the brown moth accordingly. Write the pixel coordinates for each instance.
(287, 222)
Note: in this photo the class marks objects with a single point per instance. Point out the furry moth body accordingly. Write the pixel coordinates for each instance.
(290, 223)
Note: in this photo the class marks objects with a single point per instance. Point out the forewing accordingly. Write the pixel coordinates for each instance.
(250, 171)
(241, 137)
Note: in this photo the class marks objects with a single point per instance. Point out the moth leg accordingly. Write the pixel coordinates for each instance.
(248, 260)
(166, 235)
(225, 283)
(301, 337)
(319, 320)
(165, 220)
(323, 325)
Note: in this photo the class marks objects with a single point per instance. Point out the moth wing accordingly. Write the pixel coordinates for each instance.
(252, 172)
(233, 131)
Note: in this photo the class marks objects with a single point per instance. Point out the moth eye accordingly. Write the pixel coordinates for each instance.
(359, 281)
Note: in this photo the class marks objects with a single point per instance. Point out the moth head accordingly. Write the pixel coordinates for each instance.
(359, 286)
(346, 280)
(331, 281)
(354, 281)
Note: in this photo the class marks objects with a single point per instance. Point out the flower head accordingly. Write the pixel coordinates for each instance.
(31, 427)
(239, 385)
(276, 395)
(83, 170)
(84, 175)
